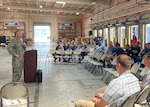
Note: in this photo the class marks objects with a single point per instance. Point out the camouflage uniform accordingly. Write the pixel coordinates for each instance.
(16, 47)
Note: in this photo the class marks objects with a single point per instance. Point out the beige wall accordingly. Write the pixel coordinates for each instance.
(29, 20)
(86, 27)
(47, 19)
(115, 12)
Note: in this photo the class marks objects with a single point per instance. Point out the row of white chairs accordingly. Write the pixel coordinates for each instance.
(95, 62)
(61, 54)
(111, 73)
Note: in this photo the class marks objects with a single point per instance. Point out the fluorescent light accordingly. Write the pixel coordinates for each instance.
(60, 2)
(41, 6)
(77, 13)
(93, 3)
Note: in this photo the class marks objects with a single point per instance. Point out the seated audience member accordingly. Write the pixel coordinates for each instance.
(146, 79)
(115, 52)
(143, 52)
(65, 46)
(127, 50)
(84, 52)
(118, 50)
(69, 45)
(109, 52)
(82, 45)
(74, 46)
(100, 48)
(57, 48)
(118, 90)
(135, 50)
(110, 48)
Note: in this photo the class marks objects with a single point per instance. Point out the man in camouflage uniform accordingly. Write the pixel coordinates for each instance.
(16, 49)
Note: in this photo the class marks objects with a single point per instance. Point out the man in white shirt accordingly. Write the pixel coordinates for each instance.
(118, 90)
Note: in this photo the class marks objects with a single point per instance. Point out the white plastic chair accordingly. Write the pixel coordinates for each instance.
(67, 55)
(129, 102)
(115, 74)
(142, 73)
(142, 97)
(14, 95)
(60, 53)
(50, 54)
(76, 54)
(135, 68)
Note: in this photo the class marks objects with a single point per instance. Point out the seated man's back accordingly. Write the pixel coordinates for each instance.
(121, 88)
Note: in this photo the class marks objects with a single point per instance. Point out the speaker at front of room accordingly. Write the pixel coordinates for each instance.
(90, 33)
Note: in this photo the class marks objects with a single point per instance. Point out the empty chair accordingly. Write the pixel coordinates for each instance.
(107, 70)
(67, 55)
(142, 73)
(96, 62)
(91, 59)
(135, 68)
(129, 102)
(14, 95)
(76, 54)
(50, 54)
(60, 53)
(99, 63)
(142, 97)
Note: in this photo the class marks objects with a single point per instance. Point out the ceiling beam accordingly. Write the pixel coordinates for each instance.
(44, 9)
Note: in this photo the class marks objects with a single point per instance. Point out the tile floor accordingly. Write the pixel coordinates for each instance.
(62, 84)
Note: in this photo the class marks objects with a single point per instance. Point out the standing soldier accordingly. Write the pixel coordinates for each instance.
(16, 48)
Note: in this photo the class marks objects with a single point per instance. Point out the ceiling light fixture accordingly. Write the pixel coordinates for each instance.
(93, 3)
(77, 13)
(41, 6)
(8, 8)
(60, 2)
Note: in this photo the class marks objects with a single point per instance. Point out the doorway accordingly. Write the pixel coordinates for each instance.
(41, 32)
(147, 33)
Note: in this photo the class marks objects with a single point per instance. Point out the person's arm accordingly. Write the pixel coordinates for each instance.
(100, 102)
(102, 89)
(11, 48)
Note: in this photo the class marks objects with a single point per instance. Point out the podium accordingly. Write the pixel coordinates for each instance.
(30, 66)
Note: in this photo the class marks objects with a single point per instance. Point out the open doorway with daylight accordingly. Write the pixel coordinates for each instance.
(41, 32)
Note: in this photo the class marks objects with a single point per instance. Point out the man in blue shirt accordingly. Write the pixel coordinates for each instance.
(98, 39)
(115, 52)
(110, 48)
(118, 50)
